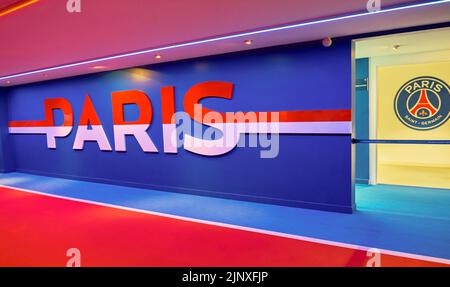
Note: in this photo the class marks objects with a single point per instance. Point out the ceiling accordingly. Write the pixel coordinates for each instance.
(406, 43)
(5, 3)
(45, 35)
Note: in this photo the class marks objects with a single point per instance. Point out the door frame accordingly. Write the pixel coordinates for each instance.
(374, 63)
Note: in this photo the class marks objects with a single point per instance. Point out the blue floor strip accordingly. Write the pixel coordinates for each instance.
(405, 219)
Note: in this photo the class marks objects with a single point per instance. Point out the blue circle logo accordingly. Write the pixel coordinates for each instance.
(423, 103)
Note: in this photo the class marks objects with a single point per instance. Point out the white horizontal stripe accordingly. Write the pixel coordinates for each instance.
(40, 130)
(288, 127)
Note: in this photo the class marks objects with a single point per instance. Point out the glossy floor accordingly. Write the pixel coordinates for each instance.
(404, 219)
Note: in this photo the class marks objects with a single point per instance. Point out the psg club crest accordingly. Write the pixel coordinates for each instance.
(423, 103)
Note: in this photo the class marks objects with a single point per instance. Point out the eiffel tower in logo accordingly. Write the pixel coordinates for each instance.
(423, 108)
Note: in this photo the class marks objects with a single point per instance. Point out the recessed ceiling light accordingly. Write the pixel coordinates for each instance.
(8, 82)
(248, 42)
(98, 67)
(158, 57)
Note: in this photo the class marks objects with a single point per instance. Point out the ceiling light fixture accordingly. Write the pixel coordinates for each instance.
(248, 42)
(395, 47)
(158, 57)
(246, 34)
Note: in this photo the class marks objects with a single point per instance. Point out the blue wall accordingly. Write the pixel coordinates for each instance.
(6, 152)
(3, 129)
(311, 171)
(362, 120)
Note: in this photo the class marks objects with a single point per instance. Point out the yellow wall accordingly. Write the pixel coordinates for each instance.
(415, 165)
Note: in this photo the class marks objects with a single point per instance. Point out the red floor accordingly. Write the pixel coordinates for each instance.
(37, 230)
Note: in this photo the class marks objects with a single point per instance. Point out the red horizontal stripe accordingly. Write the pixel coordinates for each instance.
(277, 116)
(26, 124)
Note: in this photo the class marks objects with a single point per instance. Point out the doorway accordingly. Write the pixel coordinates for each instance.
(401, 115)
